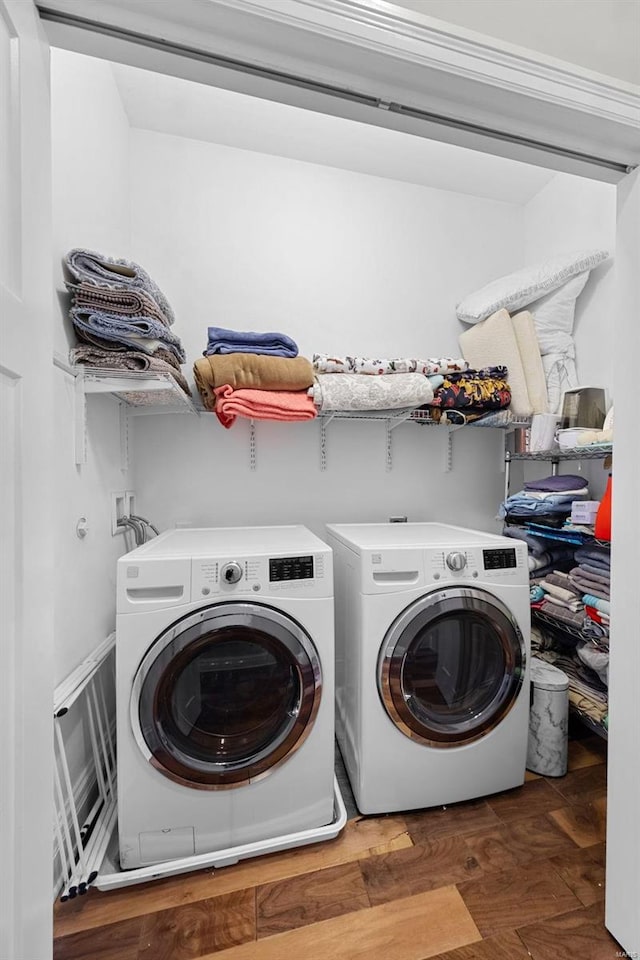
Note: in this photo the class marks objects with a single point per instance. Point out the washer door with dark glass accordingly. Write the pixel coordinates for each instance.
(451, 666)
(225, 695)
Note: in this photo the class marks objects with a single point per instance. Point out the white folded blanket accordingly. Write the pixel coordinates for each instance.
(348, 391)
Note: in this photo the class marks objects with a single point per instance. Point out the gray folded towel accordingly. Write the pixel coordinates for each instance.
(131, 331)
(112, 272)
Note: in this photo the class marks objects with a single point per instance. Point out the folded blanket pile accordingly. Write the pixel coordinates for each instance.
(258, 376)
(221, 340)
(121, 317)
(262, 405)
(543, 500)
(247, 371)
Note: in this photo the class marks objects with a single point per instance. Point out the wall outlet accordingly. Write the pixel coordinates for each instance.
(130, 503)
(118, 511)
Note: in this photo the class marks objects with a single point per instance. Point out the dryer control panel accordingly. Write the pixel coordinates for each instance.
(479, 563)
(308, 575)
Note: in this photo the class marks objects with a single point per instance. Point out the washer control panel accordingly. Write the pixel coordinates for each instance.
(499, 559)
(293, 575)
(475, 563)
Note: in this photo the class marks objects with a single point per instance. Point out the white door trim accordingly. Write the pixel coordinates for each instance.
(383, 52)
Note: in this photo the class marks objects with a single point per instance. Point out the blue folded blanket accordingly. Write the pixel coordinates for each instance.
(114, 272)
(557, 483)
(595, 555)
(237, 341)
(133, 332)
(600, 604)
(600, 572)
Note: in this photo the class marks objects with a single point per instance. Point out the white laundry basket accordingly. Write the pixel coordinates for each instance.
(548, 720)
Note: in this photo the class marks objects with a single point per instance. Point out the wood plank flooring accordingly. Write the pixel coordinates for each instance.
(516, 875)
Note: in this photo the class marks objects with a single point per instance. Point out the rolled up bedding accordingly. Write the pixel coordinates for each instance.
(129, 302)
(131, 331)
(222, 340)
(347, 391)
(134, 360)
(481, 390)
(262, 405)
(95, 268)
(323, 363)
(250, 371)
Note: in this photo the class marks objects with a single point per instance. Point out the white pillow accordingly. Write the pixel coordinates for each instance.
(525, 286)
(553, 316)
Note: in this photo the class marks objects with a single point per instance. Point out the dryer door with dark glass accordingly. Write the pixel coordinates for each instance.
(225, 695)
(451, 666)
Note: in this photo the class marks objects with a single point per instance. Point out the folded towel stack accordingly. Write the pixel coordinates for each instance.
(258, 376)
(545, 501)
(121, 317)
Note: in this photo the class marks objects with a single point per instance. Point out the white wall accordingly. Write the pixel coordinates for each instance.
(342, 262)
(91, 208)
(601, 35)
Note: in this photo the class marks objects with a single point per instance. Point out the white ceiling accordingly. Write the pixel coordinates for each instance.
(185, 109)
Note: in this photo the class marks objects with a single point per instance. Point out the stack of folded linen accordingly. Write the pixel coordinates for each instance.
(547, 501)
(361, 384)
(257, 376)
(560, 599)
(592, 577)
(471, 394)
(121, 317)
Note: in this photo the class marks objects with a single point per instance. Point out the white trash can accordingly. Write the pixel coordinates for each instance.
(548, 720)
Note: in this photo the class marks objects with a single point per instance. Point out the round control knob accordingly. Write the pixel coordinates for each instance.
(231, 572)
(456, 561)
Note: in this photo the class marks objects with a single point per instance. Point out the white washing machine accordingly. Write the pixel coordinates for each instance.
(224, 689)
(432, 653)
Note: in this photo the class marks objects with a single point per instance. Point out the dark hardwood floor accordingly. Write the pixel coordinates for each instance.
(516, 875)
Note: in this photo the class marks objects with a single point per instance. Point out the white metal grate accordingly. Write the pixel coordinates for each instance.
(81, 838)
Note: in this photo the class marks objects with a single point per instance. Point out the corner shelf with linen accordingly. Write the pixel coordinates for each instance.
(564, 631)
(140, 393)
(599, 451)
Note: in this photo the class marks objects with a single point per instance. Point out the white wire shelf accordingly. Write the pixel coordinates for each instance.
(142, 391)
(588, 452)
(138, 392)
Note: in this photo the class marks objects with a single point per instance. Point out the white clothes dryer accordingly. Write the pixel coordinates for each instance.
(432, 652)
(224, 690)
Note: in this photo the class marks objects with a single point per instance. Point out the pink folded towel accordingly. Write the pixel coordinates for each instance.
(262, 405)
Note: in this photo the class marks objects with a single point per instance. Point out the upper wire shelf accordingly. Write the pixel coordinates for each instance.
(142, 391)
(588, 452)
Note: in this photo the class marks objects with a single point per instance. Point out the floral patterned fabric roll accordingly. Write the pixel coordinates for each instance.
(323, 363)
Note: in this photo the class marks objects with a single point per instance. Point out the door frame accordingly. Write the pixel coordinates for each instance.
(371, 61)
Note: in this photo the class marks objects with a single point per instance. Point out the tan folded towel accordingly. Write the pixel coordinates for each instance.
(250, 371)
